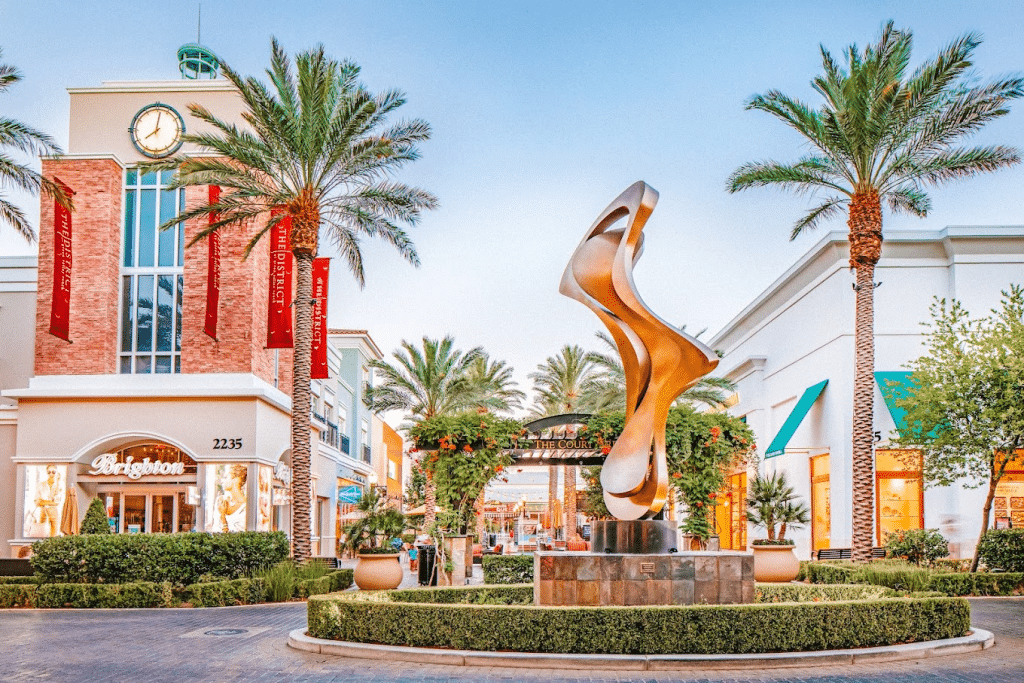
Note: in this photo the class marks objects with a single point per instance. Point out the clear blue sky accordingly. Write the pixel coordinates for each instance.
(542, 113)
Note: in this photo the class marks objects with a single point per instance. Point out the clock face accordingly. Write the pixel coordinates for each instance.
(156, 130)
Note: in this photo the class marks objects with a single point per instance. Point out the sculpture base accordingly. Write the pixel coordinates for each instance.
(690, 578)
(642, 536)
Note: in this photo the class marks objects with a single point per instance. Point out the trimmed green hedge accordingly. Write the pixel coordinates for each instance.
(226, 593)
(979, 584)
(127, 595)
(178, 558)
(702, 629)
(795, 592)
(467, 595)
(338, 580)
(1002, 549)
(17, 595)
(507, 569)
(19, 579)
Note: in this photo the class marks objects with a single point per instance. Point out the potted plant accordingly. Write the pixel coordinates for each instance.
(772, 504)
(373, 537)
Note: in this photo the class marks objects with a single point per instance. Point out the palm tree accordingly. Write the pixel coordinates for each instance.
(881, 136)
(319, 147)
(492, 385)
(428, 382)
(15, 135)
(609, 389)
(565, 383)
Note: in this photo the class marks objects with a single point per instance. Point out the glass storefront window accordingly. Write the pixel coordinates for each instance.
(821, 503)
(899, 491)
(134, 514)
(45, 499)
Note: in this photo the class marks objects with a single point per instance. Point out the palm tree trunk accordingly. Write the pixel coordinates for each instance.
(569, 493)
(301, 503)
(429, 500)
(865, 225)
(552, 496)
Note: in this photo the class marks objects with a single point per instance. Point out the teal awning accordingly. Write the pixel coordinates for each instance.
(894, 386)
(789, 427)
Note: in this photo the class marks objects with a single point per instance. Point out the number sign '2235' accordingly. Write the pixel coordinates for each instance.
(227, 444)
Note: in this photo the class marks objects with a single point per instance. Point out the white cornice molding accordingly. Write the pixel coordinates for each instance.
(170, 386)
(746, 367)
(86, 157)
(183, 85)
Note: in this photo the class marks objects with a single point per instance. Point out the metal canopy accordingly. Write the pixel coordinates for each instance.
(789, 427)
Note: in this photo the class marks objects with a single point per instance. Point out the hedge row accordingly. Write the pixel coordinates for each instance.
(17, 595)
(507, 569)
(979, 584)
(1002, 549)
(467, 595)
(913, 579)
(178, 558)
(704, 629)
(796, 592)
(149, 594)
(86, 595)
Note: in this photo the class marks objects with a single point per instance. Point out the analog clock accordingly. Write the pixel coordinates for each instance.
(156, 130)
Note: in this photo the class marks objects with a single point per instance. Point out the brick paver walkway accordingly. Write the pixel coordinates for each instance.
(173, 645)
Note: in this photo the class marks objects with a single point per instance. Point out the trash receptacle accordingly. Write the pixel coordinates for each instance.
(426, 575)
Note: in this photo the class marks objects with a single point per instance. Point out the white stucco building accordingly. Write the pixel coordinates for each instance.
(791, 352)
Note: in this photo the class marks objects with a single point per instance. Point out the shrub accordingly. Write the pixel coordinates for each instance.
(178, 558)
(280, 581)
(225, 593)
(831, 573)
(125, 595)
(898, 578)
(702, 629)
(920, 546)
(95, 520)
(795, 592)
(19, 579)
(333, 582)
(499, 569)
(979, 584)
(17, 595)
(1002, 549)
(467, 595)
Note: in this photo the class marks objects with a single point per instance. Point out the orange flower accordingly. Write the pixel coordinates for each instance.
(467, 448)
(700, 504)
(677, 475)
(712, 496)
(715, 431)
(606, 450)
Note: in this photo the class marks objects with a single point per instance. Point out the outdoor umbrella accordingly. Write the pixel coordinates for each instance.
(69, 517)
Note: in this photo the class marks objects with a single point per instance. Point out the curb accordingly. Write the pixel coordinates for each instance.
(977, 640)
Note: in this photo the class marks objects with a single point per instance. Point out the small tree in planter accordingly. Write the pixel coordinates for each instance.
(95, 520)
(772, 504)
(371, 537)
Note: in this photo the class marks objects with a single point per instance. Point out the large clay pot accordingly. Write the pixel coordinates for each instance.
(775, 563)
(378, 572)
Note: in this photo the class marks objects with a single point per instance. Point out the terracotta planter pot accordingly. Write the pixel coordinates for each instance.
(775, 563)
(378, 572)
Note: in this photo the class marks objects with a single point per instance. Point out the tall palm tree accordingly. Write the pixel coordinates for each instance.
(564, 383)
(492, 385)
(425, 382)
(609, 389)
(882, 136)
(318, 146)
(15, 135)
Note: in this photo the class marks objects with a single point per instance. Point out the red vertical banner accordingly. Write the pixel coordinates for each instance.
(279, 315)
(60, 303)
(318, 358)
(212, 269)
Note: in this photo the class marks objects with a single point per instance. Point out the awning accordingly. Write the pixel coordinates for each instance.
(895, 386)
(789, 427)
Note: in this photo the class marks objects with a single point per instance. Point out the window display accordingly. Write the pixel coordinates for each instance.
(226, 499)
(45, 495)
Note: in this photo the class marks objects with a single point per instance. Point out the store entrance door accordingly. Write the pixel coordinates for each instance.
(159, 510)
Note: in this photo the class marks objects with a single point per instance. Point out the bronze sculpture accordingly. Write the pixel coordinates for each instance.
(660, 361)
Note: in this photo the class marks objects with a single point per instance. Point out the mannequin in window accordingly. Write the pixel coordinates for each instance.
(230, 503)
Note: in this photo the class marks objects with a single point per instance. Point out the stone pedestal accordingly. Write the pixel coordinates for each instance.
(687, 578)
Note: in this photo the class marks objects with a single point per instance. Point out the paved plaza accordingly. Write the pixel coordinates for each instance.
(206, 645)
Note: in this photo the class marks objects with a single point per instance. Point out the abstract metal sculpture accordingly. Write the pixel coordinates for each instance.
(660, 362)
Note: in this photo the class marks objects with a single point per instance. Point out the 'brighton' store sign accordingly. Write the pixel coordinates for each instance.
(107, 464)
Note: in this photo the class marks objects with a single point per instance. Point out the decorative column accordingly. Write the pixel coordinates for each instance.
(429, 501)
